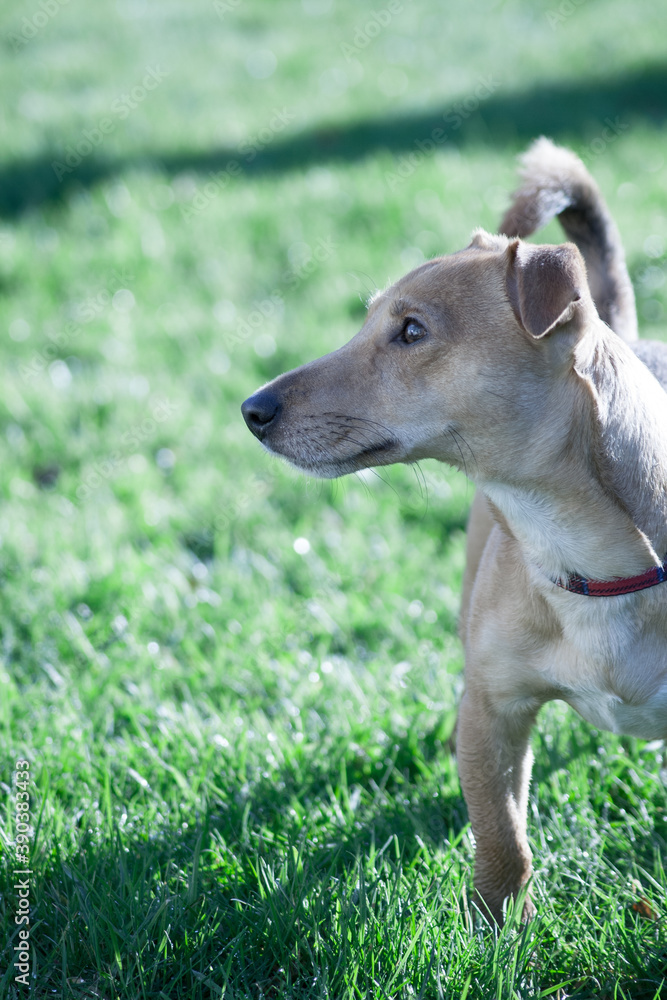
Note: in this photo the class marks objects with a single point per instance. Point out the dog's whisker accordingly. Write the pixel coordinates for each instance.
(373, 423)
(373, 290)
(458, 435)
(385, 481)
(350, 417)
(423, 485)
(362, 438)
(458, 446)
(363, 482)
(360, 444)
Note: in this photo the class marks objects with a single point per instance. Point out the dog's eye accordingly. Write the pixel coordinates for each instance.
(412, 331)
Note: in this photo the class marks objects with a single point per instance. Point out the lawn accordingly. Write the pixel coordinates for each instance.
(235, 688)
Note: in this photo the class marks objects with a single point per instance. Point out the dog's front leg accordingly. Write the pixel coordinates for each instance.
(494, 761)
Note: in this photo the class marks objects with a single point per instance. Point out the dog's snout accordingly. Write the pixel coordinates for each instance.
(260, 411)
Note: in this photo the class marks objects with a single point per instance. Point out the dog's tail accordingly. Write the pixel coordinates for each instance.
(556, 183)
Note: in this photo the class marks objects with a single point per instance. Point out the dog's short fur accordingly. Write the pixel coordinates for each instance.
(496, 360)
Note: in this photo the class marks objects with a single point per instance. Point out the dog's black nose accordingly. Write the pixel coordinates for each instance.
(259, 411)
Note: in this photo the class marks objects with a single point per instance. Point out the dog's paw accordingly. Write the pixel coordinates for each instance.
(506, 910)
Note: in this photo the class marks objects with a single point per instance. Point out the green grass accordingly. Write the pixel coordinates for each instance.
(242, 773)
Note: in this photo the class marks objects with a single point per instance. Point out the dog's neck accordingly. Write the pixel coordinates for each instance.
(602, 512)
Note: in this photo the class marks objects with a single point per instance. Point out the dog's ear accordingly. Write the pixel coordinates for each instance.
(545, 285)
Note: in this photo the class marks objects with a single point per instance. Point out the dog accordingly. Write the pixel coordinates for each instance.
(519, 364)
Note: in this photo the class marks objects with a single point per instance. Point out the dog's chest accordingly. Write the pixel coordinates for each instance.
(611, 666)
(648, 720)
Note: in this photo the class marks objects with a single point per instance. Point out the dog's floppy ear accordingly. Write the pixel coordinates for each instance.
(544, 285)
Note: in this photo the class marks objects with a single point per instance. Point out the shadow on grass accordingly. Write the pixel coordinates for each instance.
(264, 903)
(223, 901)
(240, 904)
(183, 915)
(596, 110)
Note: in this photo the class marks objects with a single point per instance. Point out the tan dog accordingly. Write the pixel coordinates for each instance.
(495, 360)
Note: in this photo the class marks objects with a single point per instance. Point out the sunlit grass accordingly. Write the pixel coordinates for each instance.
(241, 749)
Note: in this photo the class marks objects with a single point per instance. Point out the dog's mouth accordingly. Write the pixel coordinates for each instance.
(309, 455)
(382, 453)
(376, 449)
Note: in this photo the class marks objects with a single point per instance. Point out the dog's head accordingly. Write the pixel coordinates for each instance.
(448, 360)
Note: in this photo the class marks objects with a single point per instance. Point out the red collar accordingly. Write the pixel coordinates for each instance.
(612, 588)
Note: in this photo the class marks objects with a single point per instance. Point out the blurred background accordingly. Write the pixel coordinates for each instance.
(211, 661)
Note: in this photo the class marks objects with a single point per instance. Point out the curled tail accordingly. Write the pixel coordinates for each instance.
(556, 183)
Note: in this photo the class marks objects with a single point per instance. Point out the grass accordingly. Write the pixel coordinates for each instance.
(242, 780)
